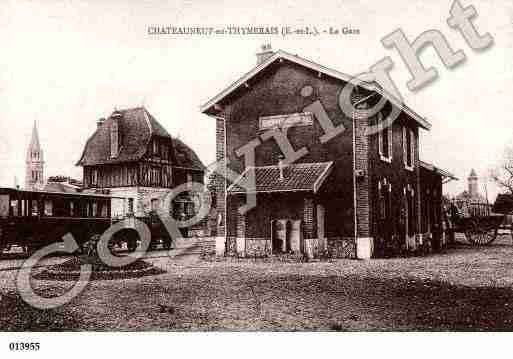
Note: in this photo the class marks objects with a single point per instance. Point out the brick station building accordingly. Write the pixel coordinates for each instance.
(351, 194)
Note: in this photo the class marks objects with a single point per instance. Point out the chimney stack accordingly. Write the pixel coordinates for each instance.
(265, 52)
(100, 121)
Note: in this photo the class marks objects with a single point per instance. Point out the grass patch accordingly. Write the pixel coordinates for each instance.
(69, 270)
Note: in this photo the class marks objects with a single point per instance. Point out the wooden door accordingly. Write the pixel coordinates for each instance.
(321, 233)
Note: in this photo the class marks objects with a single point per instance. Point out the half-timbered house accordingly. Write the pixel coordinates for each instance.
(131, 155)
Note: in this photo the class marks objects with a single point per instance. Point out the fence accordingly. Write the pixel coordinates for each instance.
(473, 209)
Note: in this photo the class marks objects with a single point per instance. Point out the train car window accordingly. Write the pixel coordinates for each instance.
(48, 207)
(4, 205)
(15, 209)
(80, 208)
(154, 204)
(35, 208)
(71, 206)
(104, 211)
(23, 207)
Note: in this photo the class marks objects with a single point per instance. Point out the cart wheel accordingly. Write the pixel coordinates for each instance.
(167, 245)
(132, 245)
(480, 235)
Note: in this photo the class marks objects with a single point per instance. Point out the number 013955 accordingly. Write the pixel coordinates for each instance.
(24, 346)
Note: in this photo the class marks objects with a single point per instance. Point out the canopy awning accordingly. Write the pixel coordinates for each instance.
(307, 177)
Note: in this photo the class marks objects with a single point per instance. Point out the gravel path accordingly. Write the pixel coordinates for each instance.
(464, 288)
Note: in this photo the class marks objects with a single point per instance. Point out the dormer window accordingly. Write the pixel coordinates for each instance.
(384, 139)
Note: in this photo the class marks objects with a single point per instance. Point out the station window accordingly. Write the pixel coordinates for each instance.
(408, 147)
(384, 139)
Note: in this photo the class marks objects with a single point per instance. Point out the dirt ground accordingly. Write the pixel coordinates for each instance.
(464, 288)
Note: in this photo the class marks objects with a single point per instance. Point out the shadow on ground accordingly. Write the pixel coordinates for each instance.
(247, 301)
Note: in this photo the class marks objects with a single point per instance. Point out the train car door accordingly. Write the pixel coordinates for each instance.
(4, 205)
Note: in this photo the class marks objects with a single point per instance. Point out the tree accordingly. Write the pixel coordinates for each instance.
(502, 175)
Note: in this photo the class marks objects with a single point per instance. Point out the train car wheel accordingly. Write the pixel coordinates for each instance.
(132, 246)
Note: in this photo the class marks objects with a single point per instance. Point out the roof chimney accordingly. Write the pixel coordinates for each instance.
(114, 134)
(100, 121)
(265, 52)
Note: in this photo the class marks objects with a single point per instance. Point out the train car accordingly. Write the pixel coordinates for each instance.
(34, 219)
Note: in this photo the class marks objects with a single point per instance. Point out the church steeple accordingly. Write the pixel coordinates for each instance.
(473, 187)
(34, 173)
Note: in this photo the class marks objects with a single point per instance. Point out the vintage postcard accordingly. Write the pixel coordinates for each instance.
(253, 167)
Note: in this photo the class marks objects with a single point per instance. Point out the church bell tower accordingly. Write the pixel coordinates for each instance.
(34, 172)
(473, 188)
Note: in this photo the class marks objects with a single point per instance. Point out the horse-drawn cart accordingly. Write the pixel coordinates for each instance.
(480, 222)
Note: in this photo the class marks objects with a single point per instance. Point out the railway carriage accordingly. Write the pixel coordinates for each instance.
(34, 219)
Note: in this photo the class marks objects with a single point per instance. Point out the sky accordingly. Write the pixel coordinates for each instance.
(65, 64)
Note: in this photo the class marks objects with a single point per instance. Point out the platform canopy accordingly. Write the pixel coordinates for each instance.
(446, 175)
(301, 177)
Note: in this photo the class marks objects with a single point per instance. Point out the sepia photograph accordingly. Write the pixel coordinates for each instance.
(240, 173)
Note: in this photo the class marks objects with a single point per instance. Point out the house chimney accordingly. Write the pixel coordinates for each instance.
(265, 52)
(114, 134)
(281, 166)
(100, 121)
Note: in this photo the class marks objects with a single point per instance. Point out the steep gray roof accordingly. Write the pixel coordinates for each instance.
(137, 127)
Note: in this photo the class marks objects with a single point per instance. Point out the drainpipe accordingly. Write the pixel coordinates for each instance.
(355, 219)
(354, 164)
(271, 236)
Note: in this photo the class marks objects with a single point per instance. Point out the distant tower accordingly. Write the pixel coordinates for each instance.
(473, 188)
(34, 172)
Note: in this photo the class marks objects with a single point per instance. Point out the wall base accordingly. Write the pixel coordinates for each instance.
(364, 247)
